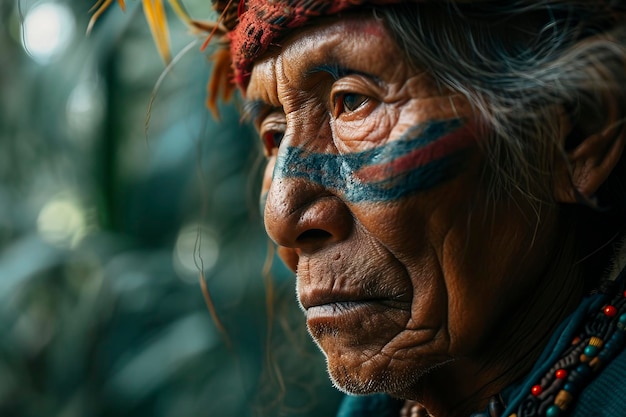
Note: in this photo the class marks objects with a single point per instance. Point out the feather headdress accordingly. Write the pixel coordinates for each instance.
(246, 28)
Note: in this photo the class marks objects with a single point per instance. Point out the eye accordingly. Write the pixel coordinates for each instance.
(272, 130)
(348, 102)
(271, 141)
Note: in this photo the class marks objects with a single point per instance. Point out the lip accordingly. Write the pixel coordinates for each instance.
(341, 308)
(336, 301)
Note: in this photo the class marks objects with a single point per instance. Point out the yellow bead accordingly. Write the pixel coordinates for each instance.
(596, 341)
(595, 363)
(563, 399)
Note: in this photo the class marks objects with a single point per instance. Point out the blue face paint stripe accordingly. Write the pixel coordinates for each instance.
(337, 172)
(418, 180)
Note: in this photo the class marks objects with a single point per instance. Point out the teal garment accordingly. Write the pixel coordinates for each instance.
(605, 396)
(376, 405)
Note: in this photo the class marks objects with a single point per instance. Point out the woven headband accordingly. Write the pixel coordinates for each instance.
(254, 24)
(251, 26)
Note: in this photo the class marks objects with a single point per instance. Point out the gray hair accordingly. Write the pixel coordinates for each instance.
(533, 70)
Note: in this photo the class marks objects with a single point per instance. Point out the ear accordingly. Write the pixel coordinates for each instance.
(587, 166)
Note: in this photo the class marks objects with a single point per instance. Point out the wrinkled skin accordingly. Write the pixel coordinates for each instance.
(406, 291)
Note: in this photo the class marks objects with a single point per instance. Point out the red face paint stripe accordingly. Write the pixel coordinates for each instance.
(447, 145)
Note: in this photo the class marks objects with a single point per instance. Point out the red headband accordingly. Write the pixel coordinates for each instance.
(261, 22)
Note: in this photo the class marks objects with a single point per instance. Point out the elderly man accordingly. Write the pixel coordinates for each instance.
(445, 178)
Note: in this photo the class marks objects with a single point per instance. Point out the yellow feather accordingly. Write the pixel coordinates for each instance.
(154, 11)
(95, 6)
(180, 11)
(155, 15)
(163, 29)
(102, 5)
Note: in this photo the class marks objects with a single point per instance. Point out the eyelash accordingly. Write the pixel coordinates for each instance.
(272, 129)
(339, 103)
(271, 140)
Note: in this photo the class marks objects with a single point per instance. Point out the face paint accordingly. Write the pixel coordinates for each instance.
(422, 158)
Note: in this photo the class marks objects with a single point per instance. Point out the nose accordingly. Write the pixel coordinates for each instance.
(302, 215)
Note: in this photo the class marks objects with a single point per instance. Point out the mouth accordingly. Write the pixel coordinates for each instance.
(344, 307)
(334, 303)
(356, 321)
(351, 310)
(328, 291)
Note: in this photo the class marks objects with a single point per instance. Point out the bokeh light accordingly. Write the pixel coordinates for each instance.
(196, 249)
(47, 30)
(85, 108)
(62, 222)
(106, 224)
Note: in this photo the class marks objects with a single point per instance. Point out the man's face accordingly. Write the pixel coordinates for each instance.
(375, 193)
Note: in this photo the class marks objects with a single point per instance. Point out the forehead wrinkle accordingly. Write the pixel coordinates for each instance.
(263, 86)
(284, 88)
(325, 49)
(275, 82)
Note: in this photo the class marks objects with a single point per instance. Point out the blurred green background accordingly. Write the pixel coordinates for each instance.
(107, 218)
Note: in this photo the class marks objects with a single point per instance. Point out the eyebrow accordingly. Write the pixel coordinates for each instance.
(334, 69)
(252, 110)
(338, 71)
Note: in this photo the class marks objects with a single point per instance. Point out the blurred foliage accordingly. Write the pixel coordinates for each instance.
(107, 217)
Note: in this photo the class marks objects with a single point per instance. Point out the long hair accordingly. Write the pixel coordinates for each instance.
(529, 68)
(539, 74)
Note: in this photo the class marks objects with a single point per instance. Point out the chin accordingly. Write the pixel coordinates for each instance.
(369, 349)
(346, 381)
(377, 375)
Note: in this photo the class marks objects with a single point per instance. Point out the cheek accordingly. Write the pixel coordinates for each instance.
(428, 108)
(426, 156)
(366, 133)
(491, 254)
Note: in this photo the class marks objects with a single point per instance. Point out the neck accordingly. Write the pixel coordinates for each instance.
(465, 385)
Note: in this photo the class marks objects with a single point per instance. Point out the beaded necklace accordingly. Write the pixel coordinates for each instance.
(599, 339)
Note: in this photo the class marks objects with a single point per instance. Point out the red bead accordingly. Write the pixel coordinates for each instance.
(624, 293)
(561, 374)
(610, 311)
(536, 390)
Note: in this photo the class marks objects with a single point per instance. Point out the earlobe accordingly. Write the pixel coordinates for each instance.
(584, 169)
